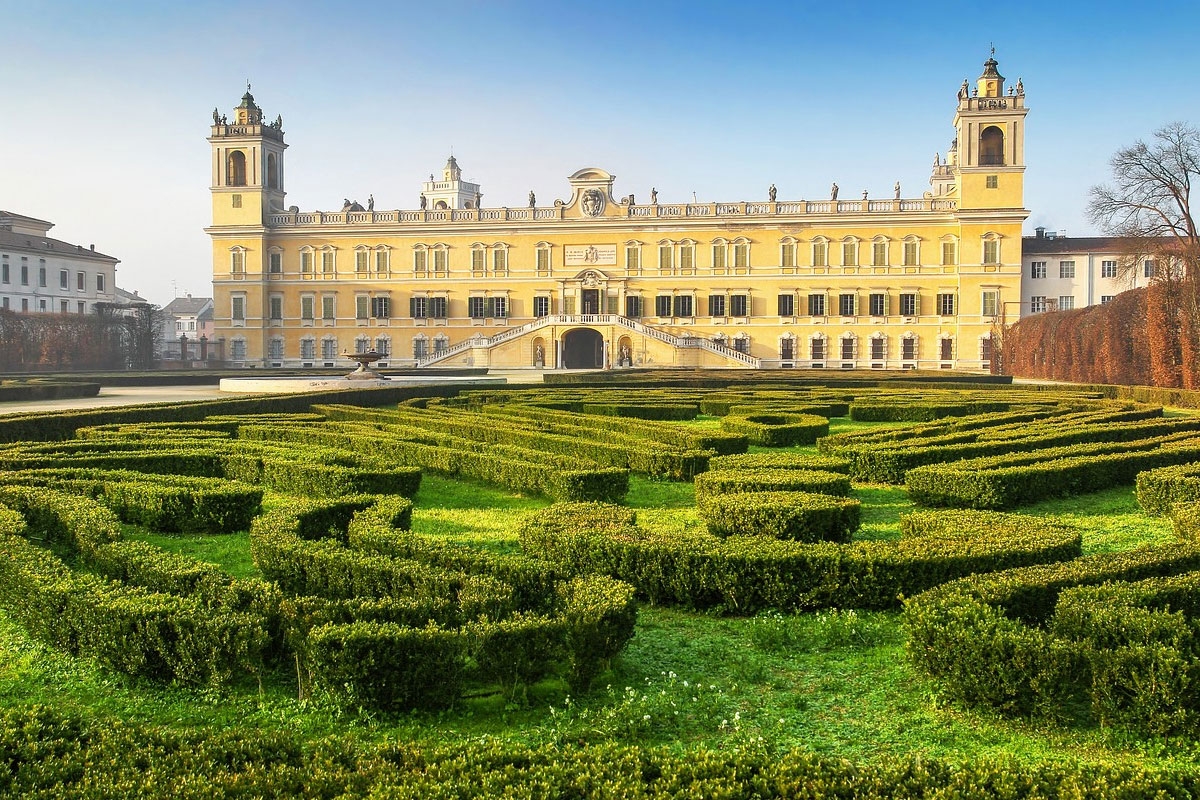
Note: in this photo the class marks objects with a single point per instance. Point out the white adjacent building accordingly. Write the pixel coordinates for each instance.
(42, 275)
(1060, 273)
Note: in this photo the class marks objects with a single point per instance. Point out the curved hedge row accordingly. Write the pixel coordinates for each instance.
(747, 574)
(883, 410)
(757, 461)
(1008, 482)
(777, 429)
(1116, 629)
(164, 618)
(168, 503)
(710, 484)
(411, 622)
(70, 756)
(799, 516)
(1159, 489)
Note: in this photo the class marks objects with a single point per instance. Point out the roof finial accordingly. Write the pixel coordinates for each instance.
(993, 45)
(248, 80)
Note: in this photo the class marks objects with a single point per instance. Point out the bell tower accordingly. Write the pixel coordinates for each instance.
(990, 123)
(247, 165)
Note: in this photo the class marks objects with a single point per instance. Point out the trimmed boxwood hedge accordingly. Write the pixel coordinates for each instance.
(1029, 640)
(747, 574)
(71, 755)
(777, 429)
(799, 516)
(770, 480)
(758, 461)
(1159, 489)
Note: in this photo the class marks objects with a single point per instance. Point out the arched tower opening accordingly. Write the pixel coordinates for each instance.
(991, 147)
(235, 171)
(272, 171)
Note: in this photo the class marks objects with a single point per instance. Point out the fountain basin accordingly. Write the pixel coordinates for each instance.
(294, 384)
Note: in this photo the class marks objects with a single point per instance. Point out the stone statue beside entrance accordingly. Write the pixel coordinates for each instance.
(539, 356)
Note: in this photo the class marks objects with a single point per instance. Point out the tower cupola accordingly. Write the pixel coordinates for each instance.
(247, 113)
(991, 82)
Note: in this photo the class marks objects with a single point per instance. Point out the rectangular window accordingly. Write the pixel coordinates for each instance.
(633, 259)
(1037, 269)
(4, 277)
(496, 307)
(908, 348)
(716, 305)
(275, 263)
(1066, 269)
(816, 305)
(62, 306)
(24, 303)
(4, 302)
(1150, 268)
(500, 261)
(360, 262)
(878, 303)
(1105, 299)
(42, 304)
(24, 273)
(993, 181)
(419, 263)
(276, 308)
(991, 251)
(420, 348)
(820, 252)
(787, 305)
(438, 307)
(848, 349)
(306, 262)
(238, 309)
(817, 349)
(741, 256)
(787, 349)
(945, 303)
(683, 305)
(329, 348)
(477, 263)
(362, 306)
(1108, 269)
(543, 261)
(1066, 302)
(849, 253)
(418, 307)
(381, 307)
(439, 263)
(877, 352)
(787, 256)
(306, 308)
(662, 305)
(718, 253)
(100, 282)
(381, 264)
(633, 306)
(879, 254)
(846, 305)
(541, 306)
(687, 257)
(910, 254)
(327, 264)
(308, 349)
(946, 348)
(739, 305)
(42, 277)
(475, 307)
(80, 280)
(909, 307)
(611, 303)
(665, 253)
(1037, 304)
(328, 308)
(991, 304)
(236, 200)
(949, 256)
(741, 344)
(63, 279)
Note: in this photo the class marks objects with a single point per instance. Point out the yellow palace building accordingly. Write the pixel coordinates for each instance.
(600, 281)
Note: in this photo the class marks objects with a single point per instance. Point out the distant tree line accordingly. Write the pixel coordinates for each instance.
(114, 337)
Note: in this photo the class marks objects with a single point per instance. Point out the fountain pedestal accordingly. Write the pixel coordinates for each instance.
(364, 371)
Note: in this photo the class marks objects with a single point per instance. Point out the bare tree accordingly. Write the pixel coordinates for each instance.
(1149, 205)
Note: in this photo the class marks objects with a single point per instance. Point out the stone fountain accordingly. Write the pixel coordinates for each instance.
(364, 371)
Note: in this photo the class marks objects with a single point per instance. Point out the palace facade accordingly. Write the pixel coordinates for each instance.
(594, 280)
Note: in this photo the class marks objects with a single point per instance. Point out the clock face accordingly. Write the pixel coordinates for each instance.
(991, 87)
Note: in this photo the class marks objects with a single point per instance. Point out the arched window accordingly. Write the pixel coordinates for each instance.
(478, 260)
(272, 171)
(849, 251)
(820, 252)
(991, 147)
(787, 252)
(237, 260)
(741, 253)
(362, 259)
(879, 251)
(235, 169)
(500, 259)
(306, 260)
(720, 256)
(382, 259)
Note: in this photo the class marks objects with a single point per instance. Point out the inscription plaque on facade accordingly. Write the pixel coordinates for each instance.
(590, 255)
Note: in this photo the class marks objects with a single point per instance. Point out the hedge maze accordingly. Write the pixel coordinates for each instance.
(354, 607)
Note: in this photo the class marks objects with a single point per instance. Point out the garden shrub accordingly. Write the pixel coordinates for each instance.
(758, 461)
(770, 480)
(1159, 489)
(799, 516)
(777, 429)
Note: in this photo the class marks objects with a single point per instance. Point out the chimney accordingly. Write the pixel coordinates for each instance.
(93, 247)
(1040, 232)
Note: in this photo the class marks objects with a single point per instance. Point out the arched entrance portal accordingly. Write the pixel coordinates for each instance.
(583, 348)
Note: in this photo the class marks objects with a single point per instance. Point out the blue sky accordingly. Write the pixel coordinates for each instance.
(106, 108)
